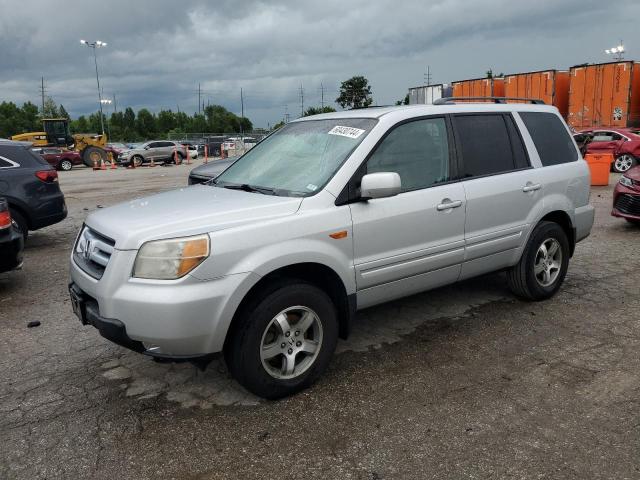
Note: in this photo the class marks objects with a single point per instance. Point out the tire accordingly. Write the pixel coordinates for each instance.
(265, 320)
(523, 280)
(623, 163)
(137, 161)
(93, 153)
(21, 221)
(65, 165)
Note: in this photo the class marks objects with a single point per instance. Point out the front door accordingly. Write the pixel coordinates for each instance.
(415, 240)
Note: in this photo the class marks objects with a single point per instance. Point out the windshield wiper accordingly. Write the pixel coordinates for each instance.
(251, 188)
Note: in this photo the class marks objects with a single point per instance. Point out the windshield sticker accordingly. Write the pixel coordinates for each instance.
(312, 187)
(350, 132)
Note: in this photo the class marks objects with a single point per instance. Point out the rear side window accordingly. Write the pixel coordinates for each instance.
(22, 156)
(484, 144)
(550, 136)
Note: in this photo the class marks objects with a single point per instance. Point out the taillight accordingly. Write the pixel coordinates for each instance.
(5, 215)
(48, 176)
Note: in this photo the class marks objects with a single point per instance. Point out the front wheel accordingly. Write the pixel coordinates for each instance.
(624, 163)
(137, 161)
(543, 265)
(283, 340)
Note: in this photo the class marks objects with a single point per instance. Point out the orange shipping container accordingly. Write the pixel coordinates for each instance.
(605, 95)
(550, 86)
(479, 87)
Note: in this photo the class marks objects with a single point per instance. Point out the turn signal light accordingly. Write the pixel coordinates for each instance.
(47, 176)
(5, 220)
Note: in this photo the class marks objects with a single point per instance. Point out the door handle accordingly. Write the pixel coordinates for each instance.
(530, 187)
(448, 204)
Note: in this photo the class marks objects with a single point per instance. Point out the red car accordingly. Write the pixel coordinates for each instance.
(624, 143)
(60, 159)
(626, 196)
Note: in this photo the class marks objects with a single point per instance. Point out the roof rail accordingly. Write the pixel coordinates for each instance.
(454, 100)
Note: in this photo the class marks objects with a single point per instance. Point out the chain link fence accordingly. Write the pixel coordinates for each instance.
(233, 143)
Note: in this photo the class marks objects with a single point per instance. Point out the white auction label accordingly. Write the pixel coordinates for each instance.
(350, 132)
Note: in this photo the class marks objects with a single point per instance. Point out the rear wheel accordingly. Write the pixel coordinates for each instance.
(543, 265)
(284, 339)
(93, 154)
(65, 165)
(623, 163)
(21, 222)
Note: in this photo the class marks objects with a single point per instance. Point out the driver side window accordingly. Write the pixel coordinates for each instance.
(418, 151)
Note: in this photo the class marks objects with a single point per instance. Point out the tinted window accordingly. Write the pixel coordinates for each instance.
(5, 164)
(153, 145)
(23, 156)
(417, 151)
(553, 142)
(484, 145)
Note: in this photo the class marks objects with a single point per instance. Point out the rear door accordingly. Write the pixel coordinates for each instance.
(415, 240)
(501, 188)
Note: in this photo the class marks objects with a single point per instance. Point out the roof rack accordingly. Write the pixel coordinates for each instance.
(454, 100)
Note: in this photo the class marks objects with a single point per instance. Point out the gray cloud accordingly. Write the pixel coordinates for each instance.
(159, 51)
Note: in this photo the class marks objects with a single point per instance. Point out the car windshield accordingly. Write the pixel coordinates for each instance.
(298, 159)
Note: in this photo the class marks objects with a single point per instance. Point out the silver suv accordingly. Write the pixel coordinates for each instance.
(329, 215)
(160, 151)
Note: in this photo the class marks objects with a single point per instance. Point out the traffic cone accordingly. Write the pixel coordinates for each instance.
(152, 164)
(188, 154)
(206, 153)
(103, 166)
(95, 164)
(113, 162)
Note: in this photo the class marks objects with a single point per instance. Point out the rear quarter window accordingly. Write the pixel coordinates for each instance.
(551, 138)
(22, 156)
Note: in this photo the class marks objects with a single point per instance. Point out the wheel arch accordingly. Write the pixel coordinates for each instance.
(563, 219)
(317, 274)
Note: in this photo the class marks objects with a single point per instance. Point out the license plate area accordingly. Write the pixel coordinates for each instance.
(78, 305)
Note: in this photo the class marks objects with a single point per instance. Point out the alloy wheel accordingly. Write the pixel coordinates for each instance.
(548, 262)
(623, 163)
(291, 342)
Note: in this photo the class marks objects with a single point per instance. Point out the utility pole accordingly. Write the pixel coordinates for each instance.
(115, 104)
(242, 111)
(427, 76)
(301, 100)
(321, 96)
(199, 99)
(42, 92)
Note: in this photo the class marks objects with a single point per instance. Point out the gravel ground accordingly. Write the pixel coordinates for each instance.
(461, 382)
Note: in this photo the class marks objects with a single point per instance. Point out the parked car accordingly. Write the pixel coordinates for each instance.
(209, 171)
(11, 240)
(60, 159)
(331, 214)
(623, 143)
(192, 149)
(626, 196)
(30, 186)
(161, 151)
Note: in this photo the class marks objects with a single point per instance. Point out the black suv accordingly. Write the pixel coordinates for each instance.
(11, 240)
(30, 186)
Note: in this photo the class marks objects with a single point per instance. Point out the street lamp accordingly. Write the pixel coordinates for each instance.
(617, 52)
(95, 45)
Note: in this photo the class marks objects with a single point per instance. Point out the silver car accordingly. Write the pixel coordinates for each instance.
(160, 151)
(329, 215)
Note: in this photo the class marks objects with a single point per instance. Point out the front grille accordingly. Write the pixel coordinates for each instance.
(628, 204)
(92, 252)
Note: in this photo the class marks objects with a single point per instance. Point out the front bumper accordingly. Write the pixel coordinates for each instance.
(626, 202)
(181, 318)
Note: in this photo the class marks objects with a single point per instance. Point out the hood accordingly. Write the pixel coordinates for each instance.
(633, 173)
(186, 211)
(214, 168)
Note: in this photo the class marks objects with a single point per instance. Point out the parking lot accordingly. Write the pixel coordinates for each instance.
(461, 382)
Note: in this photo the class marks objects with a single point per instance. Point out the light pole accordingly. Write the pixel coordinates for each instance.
(106, 101)
(95, 45)
(617, 52)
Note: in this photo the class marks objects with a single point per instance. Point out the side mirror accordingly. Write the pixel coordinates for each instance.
(147, 147)
(380, 185)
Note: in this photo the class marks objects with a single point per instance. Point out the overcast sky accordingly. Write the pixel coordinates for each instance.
(158, 50)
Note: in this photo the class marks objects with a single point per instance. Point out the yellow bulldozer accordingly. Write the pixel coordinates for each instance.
(56, 134)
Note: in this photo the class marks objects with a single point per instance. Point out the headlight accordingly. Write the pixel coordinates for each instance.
(627, 182)
(170, 259)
